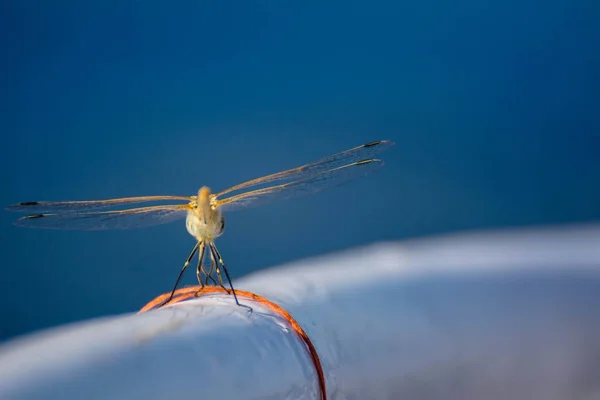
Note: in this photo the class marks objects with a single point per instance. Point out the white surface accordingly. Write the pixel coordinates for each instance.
(511, 315)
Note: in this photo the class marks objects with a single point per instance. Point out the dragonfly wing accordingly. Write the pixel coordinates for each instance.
(364, 152)
(67, 206)
(309, 185)
(88, 221)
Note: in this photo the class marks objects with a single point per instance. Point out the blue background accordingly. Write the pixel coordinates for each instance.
(494, 106)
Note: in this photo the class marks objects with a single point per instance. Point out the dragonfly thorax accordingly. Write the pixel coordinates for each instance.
(205, 228)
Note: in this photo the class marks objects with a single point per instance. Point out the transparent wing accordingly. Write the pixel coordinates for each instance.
(309, 185)
(65, 206)
(364, 152)
(89, 221)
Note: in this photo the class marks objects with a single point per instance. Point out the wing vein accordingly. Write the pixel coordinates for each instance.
(363, 152)
(101, 220)
(68, 206)
(308, 185)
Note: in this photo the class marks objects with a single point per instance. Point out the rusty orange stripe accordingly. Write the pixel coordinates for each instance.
(196, 291)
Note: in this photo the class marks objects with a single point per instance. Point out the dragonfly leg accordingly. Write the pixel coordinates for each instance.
(185, 265)
(210, 271)
(215, 267)
(219, 259)
(200, 268)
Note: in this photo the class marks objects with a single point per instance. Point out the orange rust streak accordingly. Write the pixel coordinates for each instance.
(196, 291)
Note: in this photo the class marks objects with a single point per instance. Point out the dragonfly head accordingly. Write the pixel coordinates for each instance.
(203, 201)
(204, 195)
(205, 222)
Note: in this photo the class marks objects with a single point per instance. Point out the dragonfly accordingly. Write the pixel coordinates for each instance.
(203, 212)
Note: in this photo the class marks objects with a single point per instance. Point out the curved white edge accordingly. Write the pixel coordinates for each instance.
(204, 348)
(496, 315)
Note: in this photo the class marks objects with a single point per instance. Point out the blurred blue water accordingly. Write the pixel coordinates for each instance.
(494, 107)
